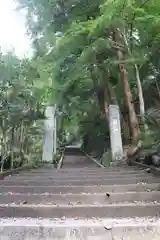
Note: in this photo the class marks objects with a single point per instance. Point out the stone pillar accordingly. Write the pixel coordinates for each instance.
(115, 133)
(48, 134)
(55, 134)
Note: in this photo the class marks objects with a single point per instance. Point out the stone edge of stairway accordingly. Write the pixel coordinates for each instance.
(76, 222)
(64, 229)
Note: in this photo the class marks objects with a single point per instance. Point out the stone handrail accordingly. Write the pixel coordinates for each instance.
(60, 163)
(93, 159)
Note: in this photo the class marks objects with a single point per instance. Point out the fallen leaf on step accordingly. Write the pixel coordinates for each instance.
(143, 183)
(24, 202)
(108, 195)
(46, 194)
(148, 170)
(107, 227)
(10, 193)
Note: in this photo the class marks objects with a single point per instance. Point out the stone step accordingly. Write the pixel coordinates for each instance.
(74, 177)
(87, 170)
(80, 164)
(81, 174)
(80, 211)
(77, 160)
(73, 173)
(80, 194)
(79, 182)
(80, 189)
(91, 229)
(79, 199)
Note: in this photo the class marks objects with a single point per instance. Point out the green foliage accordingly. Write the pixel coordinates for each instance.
(20, 106)
(76, 59)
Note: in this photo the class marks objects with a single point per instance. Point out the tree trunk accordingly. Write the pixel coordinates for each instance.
(12, 147)
(141, 99)
(128, 95)
(22, 138)
(4, 151)
(139, 86)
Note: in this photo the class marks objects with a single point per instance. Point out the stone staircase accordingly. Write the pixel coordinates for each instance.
(80, 201)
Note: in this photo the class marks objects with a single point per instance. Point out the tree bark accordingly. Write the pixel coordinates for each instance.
(139, 86)
(12, 147)
(128, 95)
